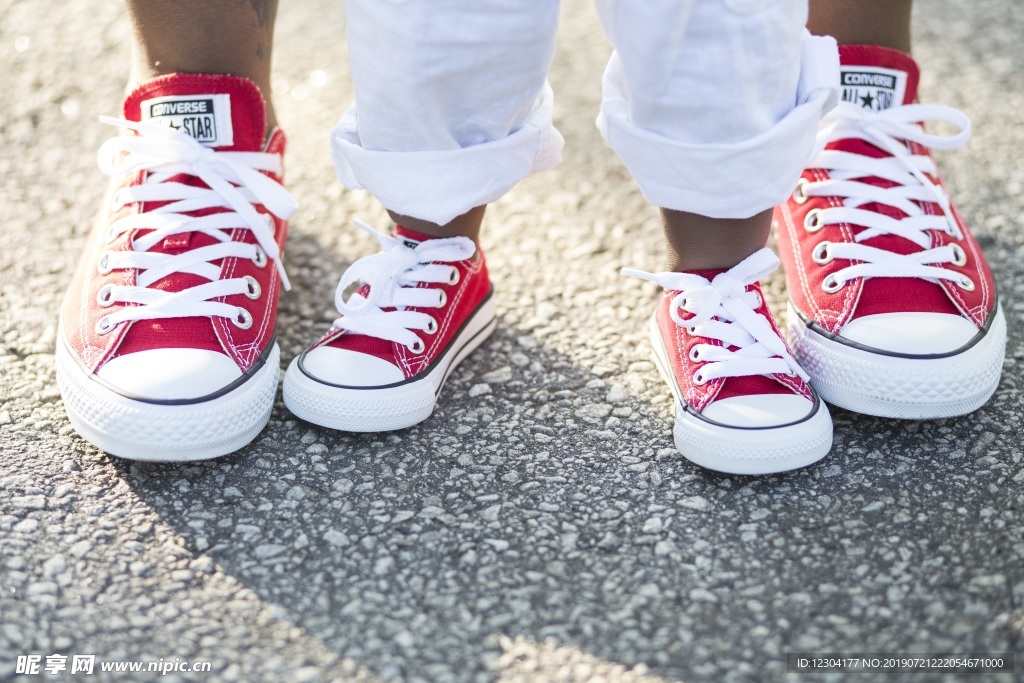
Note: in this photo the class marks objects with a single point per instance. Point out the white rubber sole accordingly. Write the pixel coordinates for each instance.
(138, 430)
(383, 409)
(900, 387)
(736, 450)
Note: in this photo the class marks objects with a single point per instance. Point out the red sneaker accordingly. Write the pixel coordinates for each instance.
(742, 402)
(166, 348)
(893, 308)
(424, 305)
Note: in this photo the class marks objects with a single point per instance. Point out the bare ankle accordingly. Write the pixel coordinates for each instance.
(863, 22)
(697, 242)
(466, 225)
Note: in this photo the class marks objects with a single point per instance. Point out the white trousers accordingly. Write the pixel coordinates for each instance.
(712, 105)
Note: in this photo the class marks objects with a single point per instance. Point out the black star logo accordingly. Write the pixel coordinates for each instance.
(867, 101)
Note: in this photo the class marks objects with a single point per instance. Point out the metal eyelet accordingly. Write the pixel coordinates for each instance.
(103, 325)
(694, 354)
(431, 327)
(959, 255)
(800, 193)
(831, 285)
(821, 254)
(455, 277)
(116, 204)
(104, 265)
(444, 299)
(105, 297)
(242, 319)
(260, 259)
(690, 330)
(252, 287)
(417, 347)
(699, 379)
(965, 283)
(812, 221)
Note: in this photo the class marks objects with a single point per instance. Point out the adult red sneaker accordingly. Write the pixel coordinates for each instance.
(742, 402)
(167, 343)
(424, 305)
(893, 310)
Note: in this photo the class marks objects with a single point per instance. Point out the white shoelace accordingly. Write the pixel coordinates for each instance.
(234, 182)
(724, 310)
(889, 130)
(390, 280)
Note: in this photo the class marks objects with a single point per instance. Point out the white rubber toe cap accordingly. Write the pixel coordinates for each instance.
(170, 374)
(911, 333)
(759, 410)
(350, 368)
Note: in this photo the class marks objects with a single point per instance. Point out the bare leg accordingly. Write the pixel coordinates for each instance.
(466, 225)
(197, 36)
(686, 235)
(863, 22)
(869, 22)
(697, 242)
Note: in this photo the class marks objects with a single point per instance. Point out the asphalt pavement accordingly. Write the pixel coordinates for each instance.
(540, 526)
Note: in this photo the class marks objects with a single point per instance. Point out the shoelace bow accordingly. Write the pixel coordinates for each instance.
(234, 182)
(889, 130)
(389, 281)
(724, 310)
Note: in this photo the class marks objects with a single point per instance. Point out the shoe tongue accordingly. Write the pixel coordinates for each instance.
(219, 111)
(708, 275)
(225, 112)
(876, 78)
(411, 238)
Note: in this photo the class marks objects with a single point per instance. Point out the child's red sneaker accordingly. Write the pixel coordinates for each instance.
(166, 348)
(893, 308)
(424, 305)
(742, 404)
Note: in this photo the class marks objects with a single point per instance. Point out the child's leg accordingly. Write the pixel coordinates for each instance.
(863, 22)
(688, 246)
(854, 22)
(464, 225)
(701, 102)
(452, 110)
(167, 346)
(713, 107)
(200, 37)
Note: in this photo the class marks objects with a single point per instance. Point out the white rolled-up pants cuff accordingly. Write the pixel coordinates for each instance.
(711, 104)
(737, 178)
(452, 102)
(439, 185)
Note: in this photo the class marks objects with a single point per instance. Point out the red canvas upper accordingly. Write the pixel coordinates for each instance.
(862, 297)
(678, 344)
(462, 299)
(81, 310)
